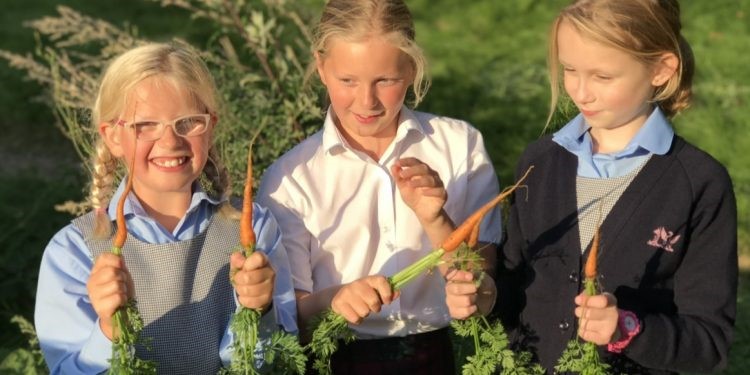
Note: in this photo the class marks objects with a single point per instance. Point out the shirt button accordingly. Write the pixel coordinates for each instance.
(564, 325)
(573, 277)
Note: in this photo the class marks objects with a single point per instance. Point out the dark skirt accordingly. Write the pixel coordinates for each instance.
(424, 353)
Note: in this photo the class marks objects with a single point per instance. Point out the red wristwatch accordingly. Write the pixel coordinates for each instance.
(629, 326)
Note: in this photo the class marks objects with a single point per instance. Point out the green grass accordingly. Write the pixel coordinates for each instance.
(488, 66)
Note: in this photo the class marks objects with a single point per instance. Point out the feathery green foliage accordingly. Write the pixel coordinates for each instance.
(24, 360)
(328, 327)
(127, 327)
(582, 358)
(492, 353)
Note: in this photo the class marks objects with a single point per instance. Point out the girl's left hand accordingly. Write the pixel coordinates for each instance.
(460, 294)
(421, 188)
(253, 280)
(597, 318)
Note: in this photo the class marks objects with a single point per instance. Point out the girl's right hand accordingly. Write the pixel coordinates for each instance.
(109, 287)
(356, 300)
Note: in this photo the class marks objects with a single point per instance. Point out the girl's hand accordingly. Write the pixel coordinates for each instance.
(465, 298)
(420, 188)
(356, 300)
(253, 280)
(460, 294)
(109, 287)
(597, 318)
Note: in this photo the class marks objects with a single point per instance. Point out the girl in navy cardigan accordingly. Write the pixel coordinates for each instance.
(666, 210)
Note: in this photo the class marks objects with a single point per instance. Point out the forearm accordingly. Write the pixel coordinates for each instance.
(438, 228)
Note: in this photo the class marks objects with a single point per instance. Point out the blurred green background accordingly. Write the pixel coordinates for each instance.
(487, 60)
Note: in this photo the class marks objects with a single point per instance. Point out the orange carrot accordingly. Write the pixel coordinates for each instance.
(464, 230)
(122, 230)
(590, 268)
(474, 236)
(247, 234)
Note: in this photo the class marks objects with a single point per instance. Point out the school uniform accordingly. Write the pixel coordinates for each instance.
(181, 283)
(668, 250)
(342, 216)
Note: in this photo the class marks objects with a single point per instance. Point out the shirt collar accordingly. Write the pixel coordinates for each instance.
(333, 139)
(133, 205)
(655, 136)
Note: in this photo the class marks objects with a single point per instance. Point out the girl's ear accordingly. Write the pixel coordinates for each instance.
(111, 137)
(319, 67)
(665, 68)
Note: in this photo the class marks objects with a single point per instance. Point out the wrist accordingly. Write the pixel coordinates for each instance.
(628, 326)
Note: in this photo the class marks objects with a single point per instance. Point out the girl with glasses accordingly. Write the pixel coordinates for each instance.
(156, 111)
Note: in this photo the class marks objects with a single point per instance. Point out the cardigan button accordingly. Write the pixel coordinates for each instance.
(564, 325)
(573, 277)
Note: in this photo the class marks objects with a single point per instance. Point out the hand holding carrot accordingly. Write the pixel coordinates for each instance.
(356, 300)
(461, 294)
(420, 187)
(109, 287)
(598, 318)
(253, 280)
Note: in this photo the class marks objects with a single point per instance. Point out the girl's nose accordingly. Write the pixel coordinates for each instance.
(368, 97)
(582, 92)
(169, 138)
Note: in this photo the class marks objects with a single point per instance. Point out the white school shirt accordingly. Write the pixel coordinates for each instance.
(342, 217)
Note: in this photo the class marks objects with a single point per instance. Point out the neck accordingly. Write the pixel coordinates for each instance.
(169, 209)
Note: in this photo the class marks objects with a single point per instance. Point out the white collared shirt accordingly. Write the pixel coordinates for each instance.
(342, 217)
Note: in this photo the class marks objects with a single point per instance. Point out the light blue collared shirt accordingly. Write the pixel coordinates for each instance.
(654, 137)
(66, 323)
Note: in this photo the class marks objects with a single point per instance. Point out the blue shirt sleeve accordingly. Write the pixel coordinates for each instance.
(66, 323)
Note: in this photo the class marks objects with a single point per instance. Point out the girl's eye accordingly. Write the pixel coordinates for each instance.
(146, 125)
(387, 81)
(603, 78)
(346, 81)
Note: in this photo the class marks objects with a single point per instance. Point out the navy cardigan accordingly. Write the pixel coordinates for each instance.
(668, 253)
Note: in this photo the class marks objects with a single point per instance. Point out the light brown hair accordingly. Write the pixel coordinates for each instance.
(179, 65)
(644, 29)
(356, 20)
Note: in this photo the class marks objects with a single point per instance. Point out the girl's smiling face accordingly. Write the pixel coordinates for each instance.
(366, 81)
(171, 163)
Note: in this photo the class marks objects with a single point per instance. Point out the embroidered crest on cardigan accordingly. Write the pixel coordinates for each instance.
(663, 239)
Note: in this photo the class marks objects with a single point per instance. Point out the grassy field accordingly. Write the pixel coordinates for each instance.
(487, 62)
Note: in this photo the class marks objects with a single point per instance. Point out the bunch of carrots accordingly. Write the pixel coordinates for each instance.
(583, 358)
(127, 320)
(329, 327)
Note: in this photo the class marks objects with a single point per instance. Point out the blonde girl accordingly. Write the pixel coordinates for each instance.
(376, 189)
(156, 110)
(667, 264)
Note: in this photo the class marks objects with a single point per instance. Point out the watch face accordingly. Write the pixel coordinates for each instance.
(630, 323)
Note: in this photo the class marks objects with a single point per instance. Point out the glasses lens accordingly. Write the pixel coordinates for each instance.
(191, 125)
(147, 130)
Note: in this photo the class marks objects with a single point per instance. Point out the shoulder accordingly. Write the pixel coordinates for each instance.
(699, 166)
(540, 150)
(300, 153)
(432, 123)
(67, 252)
(292, 162)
